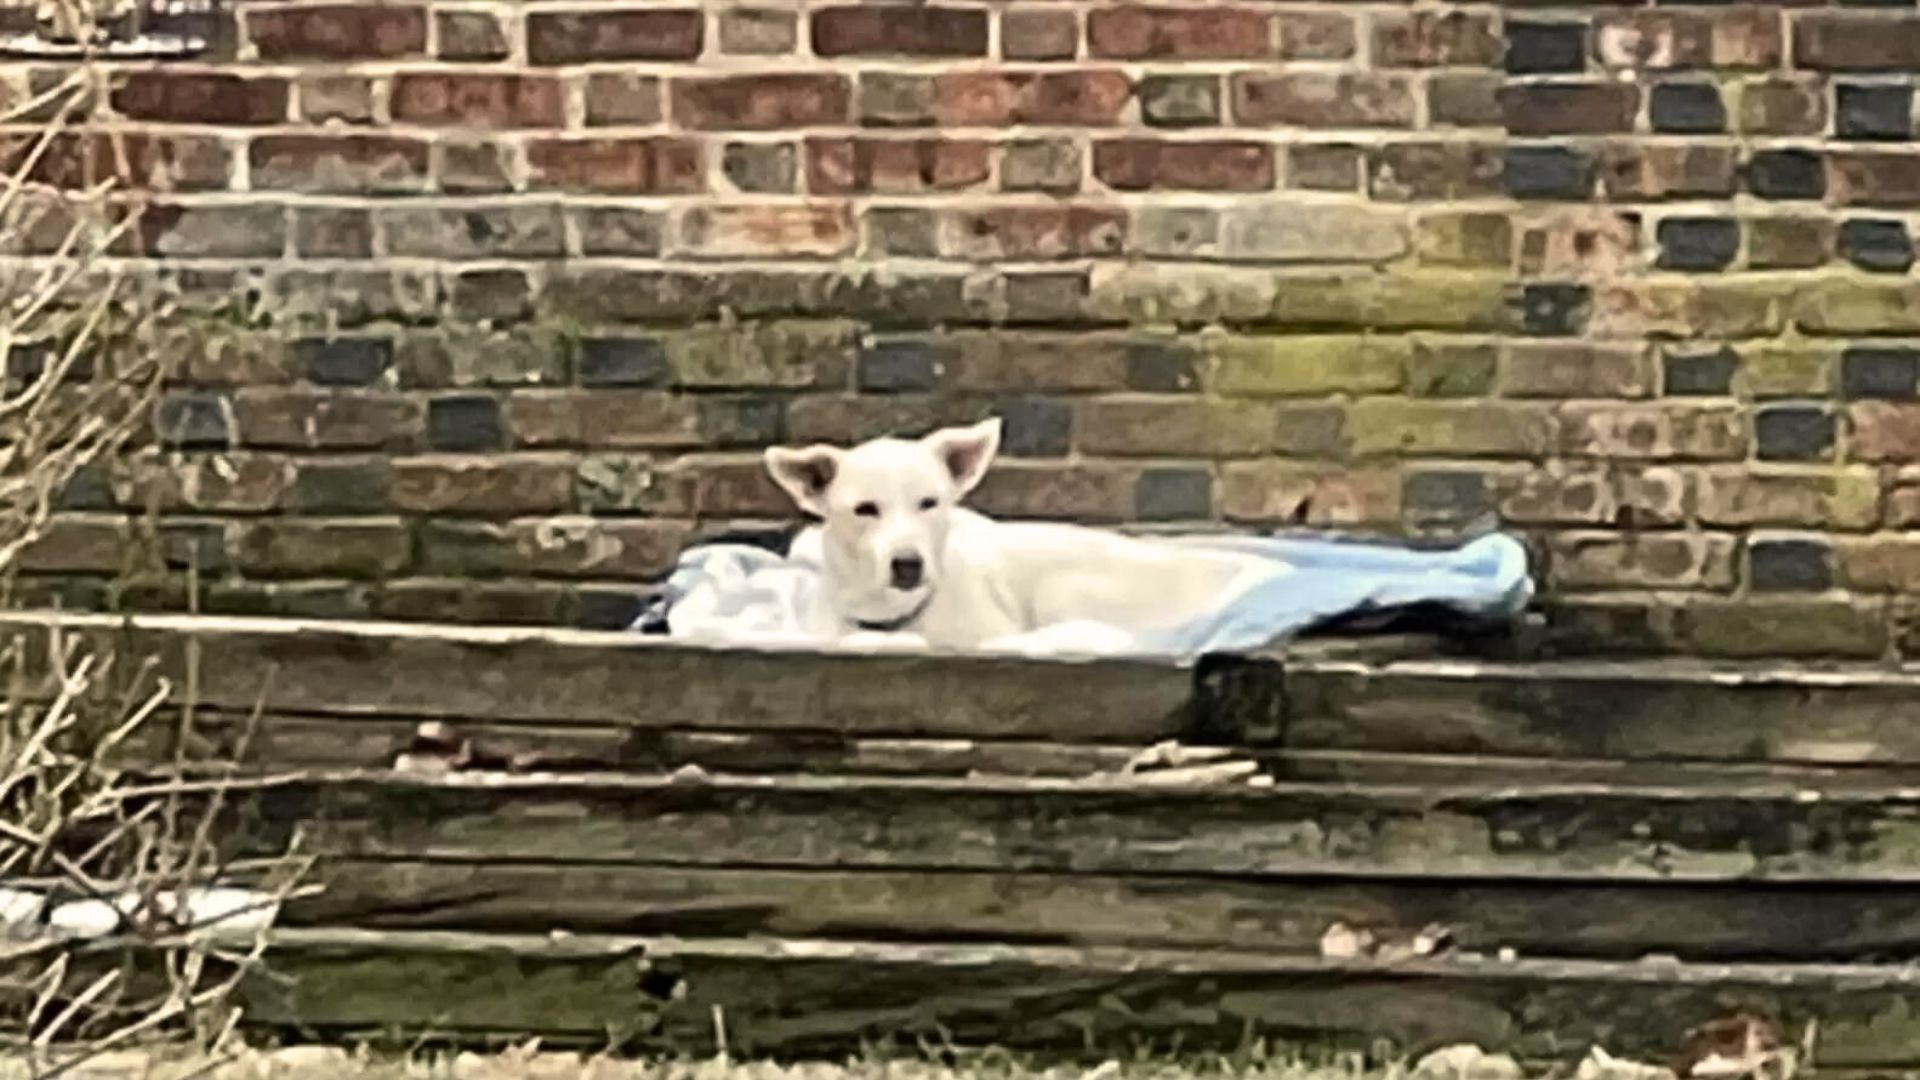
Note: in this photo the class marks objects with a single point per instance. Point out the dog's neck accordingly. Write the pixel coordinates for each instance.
(894, 626)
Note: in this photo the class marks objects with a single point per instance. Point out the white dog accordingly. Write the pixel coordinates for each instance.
(903, 563)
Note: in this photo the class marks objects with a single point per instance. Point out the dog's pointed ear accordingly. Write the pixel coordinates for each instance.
(967, 451)
(805, 474)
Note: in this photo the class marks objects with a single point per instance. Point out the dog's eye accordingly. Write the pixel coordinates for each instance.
(929, 503)
(866, 509)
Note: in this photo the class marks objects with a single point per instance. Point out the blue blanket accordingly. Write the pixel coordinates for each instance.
(738, 591)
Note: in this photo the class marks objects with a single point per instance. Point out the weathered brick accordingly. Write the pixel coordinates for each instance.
(488, 297)
(1580, 560)
(355, 548)
(1662, 431)
(1447, 169)
(1848, 41)
(1039, 34)
(784, 354)
(761, 102)
(310, 419)
(1463, 99)
(895, 166)
(1195, 165)
(333, 232)
(194, 420)
(758, 31)
(1307, 365)
(1885, 373)
(1873, 112)
(558, 546)
(899, 30)
(344, 361)
(338, 31)
(214, 484)
(1464, 239)
(1699, 374)
(1160, 367)
(1569, 108)
(79, 544)
(1788, 243)
(470, 35)
(1087, 492)
(201, 98)
(1741, 36)
(1793, 433)
(1093, 97)
(1454, 498)
(1875, 179)
(1782, 628)
(1176, 231)
(1034, 232)
(1575, 369)
(1138, 32)
(1854, 306)
(897, 230)
(324, 98)
(338, 164)
(473, 168)
(750, 421)
(1697, 243)
(1035, 427)
(490, 231)
(1484, 429)
(1883, 431)
(664, 166)
(1548, 172)
(1545, 48)
(1317, 35)
(1173, 493)
(1298, 493)
(1180, 100)
(1633, 171)
(1185, 427)
(1321, 99)
(467, 356)
(1876, 244)
(629, 483)
(476, 100)
(771, 230)
(1880, 564)
(1325, 166)
(1312, 233)
(1050, 165)
(1788, 370)
(618, 98)
(601, 34)
(602, 418)
(230, 231)
(760, 168)
(1446, 369)
(1778, 106)
(1435, 39)
(900, 366)
(1741, 497)
(1786, 174)
(887, 99)
(618, 230)
(1554, 308)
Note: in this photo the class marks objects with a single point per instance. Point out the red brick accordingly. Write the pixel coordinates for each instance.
(998, 99)
(338, 32)
(1035, 232)
(1144, 164)
(566, 546)
(580, 37)
(337, 163)
(1848, 41)
(1324, 99)
(1873, 179)
(895, 166)
(1089, 492)
(1740, 36)
(1436, 39)
(201, 98)
(619, 98)
(1317, 35)
(603, 418)
(661, 166)
(1782, 106)
(1039, 34)
(767, 232)
(735, 488)
(1295, 493)
(1447, 169)
(761, 102)
(334, 419)
(1569, 108)
(1130, 32)
(304, 547)
(900, 30)
(80, 544)
(1883, 431)
(134, 160)
(1647, 170)
(475, 100)
(1884, 563)
(1630, 431)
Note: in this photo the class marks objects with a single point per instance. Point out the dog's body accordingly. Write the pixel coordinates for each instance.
(902, 563)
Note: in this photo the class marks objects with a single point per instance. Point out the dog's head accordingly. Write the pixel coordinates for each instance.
(885, 506)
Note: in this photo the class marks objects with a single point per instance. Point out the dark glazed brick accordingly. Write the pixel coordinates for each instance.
(623, 362)
(465, 422)
(352, 487)
(1173, 494)
(1885, 373)
(1036, 427)
(1554, 309)
(344, 361)
(1180, 100)
(1692, 243)
(1445, 498)
(759, 167)
(1687, 109)
(899, 366)
(1794, 433)
(1789, 565)
(195, 421)
(1873, 112)
(742, 421)
(1875, 244)
(1548, 172)
(1160, 368)
(1546, 48)
(1701, 374)
(200, 545)
(1786, 174)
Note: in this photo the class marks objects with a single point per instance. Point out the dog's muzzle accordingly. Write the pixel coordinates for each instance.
(907, 572)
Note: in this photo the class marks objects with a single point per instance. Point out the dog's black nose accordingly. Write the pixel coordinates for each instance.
(907, 571)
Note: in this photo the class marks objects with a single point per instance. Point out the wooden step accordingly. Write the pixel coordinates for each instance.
(790, 996)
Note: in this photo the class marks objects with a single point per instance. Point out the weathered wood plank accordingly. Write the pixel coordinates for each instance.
(1747, 829)
(552, 675)
(1645, 709)
(809, 996)
(1567, 918)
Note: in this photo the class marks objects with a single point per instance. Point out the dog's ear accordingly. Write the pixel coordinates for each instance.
(805, 474)
(967, 451)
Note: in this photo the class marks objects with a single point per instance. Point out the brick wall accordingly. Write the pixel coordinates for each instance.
(485, 307)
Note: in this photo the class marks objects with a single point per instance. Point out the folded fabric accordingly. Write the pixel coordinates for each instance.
(729, 592)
